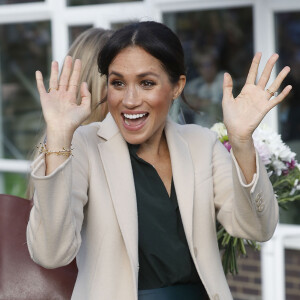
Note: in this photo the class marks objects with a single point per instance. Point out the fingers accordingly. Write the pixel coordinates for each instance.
(40, 83)
(53, 75)
(273, 102)
(253, 69)
(73, 84)
(279, 79)
(267, 71)
(65, 75)
(85, 96)
(227, 86)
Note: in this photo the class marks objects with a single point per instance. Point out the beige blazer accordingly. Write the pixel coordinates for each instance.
(87, 208)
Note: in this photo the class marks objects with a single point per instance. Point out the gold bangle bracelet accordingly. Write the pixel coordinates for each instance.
(64, 151)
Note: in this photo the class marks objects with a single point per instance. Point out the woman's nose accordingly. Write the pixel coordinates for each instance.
(131, 97)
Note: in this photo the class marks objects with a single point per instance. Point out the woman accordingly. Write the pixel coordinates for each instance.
(137, 201)
(86, 48)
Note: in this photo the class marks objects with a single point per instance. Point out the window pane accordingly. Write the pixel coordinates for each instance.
(13, 184)
(287, 34)
(18, 1)
(75, 31)
(116, 26)
(24, 49)
(88, 2)
(214, 41)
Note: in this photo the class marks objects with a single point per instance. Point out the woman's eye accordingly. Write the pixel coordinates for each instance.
(147, 83)
(117, 83)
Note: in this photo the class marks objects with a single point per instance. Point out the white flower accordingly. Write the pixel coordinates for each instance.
(220, 129)
(263, 151)
(272, 149)
(278, 166)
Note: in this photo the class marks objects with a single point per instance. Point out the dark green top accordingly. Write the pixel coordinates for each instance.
(164, 256)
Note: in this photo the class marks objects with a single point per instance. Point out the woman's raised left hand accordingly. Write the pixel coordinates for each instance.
(244, 113)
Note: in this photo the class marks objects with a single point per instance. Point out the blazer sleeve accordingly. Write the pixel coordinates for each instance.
(53, 230)
(248, 210)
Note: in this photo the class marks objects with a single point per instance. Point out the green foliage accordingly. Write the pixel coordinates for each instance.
(285, 187)
(15, 184)
(232, 248)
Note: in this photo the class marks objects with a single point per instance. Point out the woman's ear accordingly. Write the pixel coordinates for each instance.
(179, 86)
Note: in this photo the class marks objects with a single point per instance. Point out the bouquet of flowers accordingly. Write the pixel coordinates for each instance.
(284, 173)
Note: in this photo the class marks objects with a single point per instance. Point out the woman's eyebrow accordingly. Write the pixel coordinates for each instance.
(115, 73)
(139, 75)
(147, 74)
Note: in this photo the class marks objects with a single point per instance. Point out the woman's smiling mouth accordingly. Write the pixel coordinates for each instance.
(134, 121)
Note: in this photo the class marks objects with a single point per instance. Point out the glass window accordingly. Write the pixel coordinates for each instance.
(19, 1)
(116, 26)
(24, 48)
(214, 41)
(287, 33)
(89, 2)
(13, 184)
(75, 31)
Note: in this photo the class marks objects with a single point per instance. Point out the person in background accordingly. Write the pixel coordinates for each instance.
(135, 198)
(86, 47)
(203, 93)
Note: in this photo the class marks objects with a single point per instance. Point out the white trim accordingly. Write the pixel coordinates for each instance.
(273, 262)
(284, 6)
(17, 13)
(264, 41)
(14, 166)
(59, 30)
(181, 5)
(112, 12)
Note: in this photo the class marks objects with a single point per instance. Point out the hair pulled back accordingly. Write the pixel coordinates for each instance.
(155, 38)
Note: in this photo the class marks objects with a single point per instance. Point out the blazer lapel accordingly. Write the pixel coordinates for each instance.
(117, 165)
(183, 176)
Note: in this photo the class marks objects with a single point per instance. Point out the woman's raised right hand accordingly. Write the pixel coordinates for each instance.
(61, 112)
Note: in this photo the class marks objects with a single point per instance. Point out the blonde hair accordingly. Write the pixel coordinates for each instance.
(86, 47)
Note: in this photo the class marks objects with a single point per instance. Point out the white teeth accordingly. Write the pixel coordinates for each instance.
(134, 116)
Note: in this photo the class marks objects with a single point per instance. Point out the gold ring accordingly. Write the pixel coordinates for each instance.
(272, 93)
(49, 90)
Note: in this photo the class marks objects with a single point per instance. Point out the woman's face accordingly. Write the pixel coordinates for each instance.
(140, 94)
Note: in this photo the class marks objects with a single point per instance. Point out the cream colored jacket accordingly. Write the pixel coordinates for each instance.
(87, 208)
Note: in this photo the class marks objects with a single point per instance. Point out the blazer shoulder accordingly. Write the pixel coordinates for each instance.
(89, 129)
(193, 132)
(88, 133)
